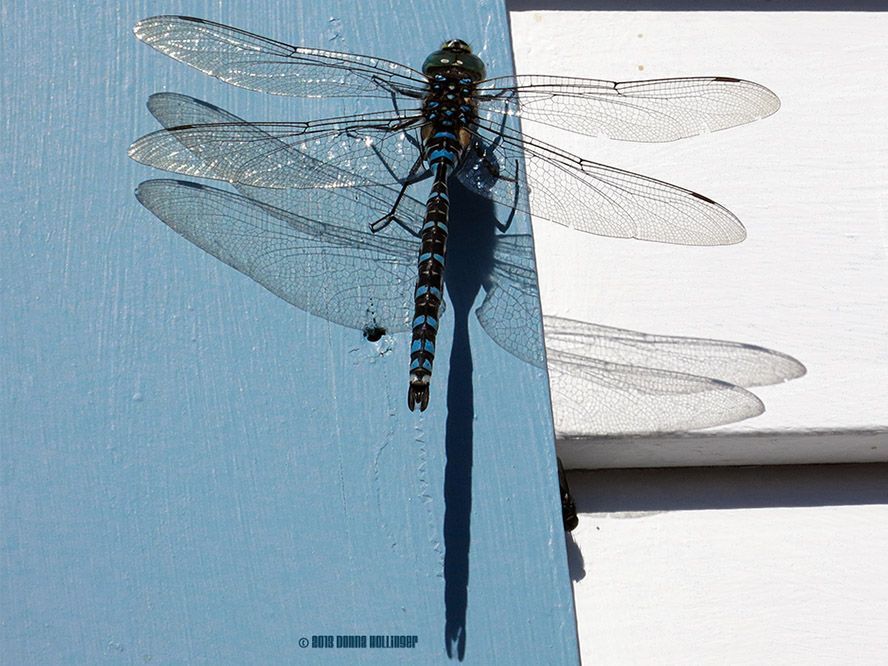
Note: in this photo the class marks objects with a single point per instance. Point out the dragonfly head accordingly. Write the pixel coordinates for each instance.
(455, 54)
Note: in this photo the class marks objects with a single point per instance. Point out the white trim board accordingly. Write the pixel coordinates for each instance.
(809, 183)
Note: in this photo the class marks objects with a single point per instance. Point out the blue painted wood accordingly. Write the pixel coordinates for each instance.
(195, 471)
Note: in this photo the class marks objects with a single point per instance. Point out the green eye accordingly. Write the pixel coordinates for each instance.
(455, 53)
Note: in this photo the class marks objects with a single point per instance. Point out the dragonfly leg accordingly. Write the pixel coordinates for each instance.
(391, 216)
(504, 226)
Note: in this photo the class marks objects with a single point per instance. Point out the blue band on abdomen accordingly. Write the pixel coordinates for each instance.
(424, 319)
(424, 289)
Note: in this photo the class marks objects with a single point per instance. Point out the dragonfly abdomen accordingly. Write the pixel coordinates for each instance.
(443, 151)
(429, 285)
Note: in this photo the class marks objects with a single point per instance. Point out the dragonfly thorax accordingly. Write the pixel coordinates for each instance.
(449, 103)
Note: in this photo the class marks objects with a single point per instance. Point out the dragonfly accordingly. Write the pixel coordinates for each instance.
(327, 261)
(447, 120)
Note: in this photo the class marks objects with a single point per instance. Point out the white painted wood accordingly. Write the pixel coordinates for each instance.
(809, 183)
(779, 566)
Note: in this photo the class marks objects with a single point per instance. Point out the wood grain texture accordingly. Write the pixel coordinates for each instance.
(197, 472)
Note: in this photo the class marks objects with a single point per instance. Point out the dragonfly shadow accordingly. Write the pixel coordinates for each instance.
(469, 263)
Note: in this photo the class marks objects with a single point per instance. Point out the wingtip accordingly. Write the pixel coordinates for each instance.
(141, 26)
(738, 236)
(772, 101)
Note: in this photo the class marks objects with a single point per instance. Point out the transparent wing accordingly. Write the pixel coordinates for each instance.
(375, 149)
(591, 197)
(649, 111)
(512, 295)
(204, 141)
(348, 276)
(593, 397)
(512, 300)
(734, 362)
(265, 65)
(610, 381)
(259, 157)
(364, 280)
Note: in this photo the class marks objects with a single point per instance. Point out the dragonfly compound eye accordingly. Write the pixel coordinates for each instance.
(456, 58)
